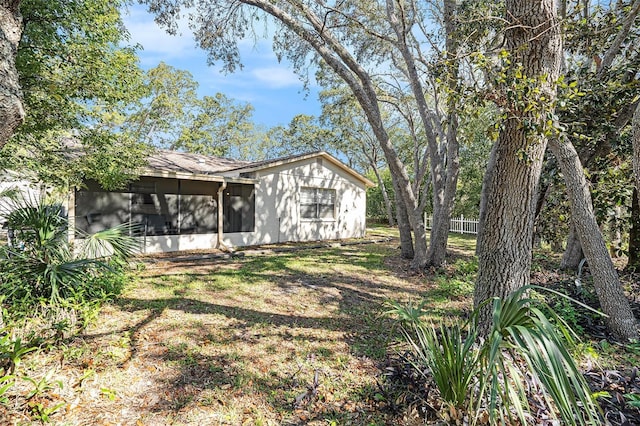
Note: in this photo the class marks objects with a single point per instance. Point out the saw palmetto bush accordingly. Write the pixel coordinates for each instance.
(494, 379)
(39, 265)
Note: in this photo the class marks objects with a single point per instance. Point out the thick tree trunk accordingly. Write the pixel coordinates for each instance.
(511, 185)
(404, 227)
(416, 218)
(11, 109)
(634, 237)
(573, 252)
(633, 263)
(635, 140)
(613, 302)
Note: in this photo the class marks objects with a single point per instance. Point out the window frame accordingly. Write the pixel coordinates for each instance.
(317, 203)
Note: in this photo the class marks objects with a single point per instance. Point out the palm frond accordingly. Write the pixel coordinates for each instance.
(115, 242)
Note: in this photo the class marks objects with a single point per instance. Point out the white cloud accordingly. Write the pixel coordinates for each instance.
(156, 42)
(276, 77)
(271, 87)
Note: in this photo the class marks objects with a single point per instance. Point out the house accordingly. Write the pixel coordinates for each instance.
(187, 201)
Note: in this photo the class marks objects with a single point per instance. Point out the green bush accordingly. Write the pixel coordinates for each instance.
(49, 288)
(489, 378)
(41, 264)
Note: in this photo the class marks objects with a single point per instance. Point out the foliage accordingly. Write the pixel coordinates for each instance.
(554, 220)
(170, 114)
(477, 134)
(376, 208)
(74, 75)
(597, 120)
(490, 376)
(452, 362)
(40, 264)
(37, 399)
(6, 382)
(11, 352)
(304, 134)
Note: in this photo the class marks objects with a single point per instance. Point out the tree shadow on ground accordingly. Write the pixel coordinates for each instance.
(299, 367)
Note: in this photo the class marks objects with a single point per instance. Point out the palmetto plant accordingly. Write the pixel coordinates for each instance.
(40, 262)
(492, 378)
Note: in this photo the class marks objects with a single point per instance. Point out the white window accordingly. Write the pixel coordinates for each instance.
(317, 203)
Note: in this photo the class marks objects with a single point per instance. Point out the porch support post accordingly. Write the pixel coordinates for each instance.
(223, 186)
(71, 216)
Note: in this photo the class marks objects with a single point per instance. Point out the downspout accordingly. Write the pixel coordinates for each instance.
(220, 245)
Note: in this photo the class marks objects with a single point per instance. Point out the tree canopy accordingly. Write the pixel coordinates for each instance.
(74, 75)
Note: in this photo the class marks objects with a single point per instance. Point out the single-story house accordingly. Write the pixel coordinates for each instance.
(187, 201)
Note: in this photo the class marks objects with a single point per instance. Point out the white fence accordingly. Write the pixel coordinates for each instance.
(459, 225)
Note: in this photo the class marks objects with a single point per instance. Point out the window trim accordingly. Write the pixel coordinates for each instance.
(318, 219)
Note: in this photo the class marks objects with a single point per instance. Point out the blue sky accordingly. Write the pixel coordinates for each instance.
(275, 92)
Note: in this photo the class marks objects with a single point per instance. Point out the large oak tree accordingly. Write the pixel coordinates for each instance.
(532, 66)
(11, 108)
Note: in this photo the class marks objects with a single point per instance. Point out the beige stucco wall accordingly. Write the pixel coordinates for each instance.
(278, 205)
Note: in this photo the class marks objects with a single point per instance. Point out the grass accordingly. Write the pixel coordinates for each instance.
(286, 338)
(291, 338)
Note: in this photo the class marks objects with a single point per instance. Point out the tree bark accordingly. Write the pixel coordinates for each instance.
(511, 185)
(444, 197)
(404, 227)
(573, 252)
(613, 302)
(634, 235)
(444, 162)
(635, 140)
(11, 109)
(633, 263)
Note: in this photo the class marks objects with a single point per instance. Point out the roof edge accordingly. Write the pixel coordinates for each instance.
(268, 164)
(195, 176)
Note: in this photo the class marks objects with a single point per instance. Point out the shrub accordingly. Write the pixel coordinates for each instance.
(41, 264)
(50, 288)
(492, 378)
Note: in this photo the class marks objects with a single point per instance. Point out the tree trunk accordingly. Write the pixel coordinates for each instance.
(441, 214)
(635, 140)
(404, 227)
(11, 109)
(613, 302)
(633, 263)
(416, 218)
(444, 203)
(634, 235)
(615, 233)
(443, 199)
(511, 185)
(573, 252)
